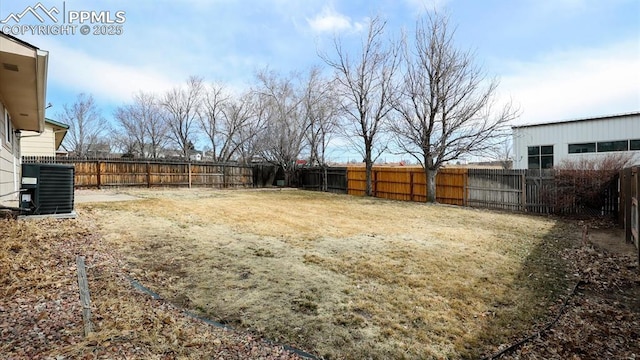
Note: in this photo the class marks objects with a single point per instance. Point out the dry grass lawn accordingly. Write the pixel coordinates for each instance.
(342, 276)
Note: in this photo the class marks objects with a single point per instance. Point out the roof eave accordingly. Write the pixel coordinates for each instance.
(633, 113)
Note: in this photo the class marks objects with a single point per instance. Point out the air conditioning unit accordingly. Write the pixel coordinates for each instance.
(47, 189)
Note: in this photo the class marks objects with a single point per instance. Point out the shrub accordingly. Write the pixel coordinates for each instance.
(584, 185)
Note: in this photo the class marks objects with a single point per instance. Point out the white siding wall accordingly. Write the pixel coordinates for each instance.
(34, 144)
(9, 163)
(562, 134)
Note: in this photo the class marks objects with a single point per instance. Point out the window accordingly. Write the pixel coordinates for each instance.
(540, 157)
(8, 129)
(582, 148)
(607, 146)
(3, 125)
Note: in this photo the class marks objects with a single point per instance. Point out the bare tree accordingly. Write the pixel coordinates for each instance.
(282, 139)
(447, 104)
(321, 109)
(249, 113)
(182, 105)
(125, 142)
(222, 118)
(156, 127)
(130, 135)
(238, 119)
(211, 115)
(142, 129)
(85, 125)
(503, 152)
(366, 86)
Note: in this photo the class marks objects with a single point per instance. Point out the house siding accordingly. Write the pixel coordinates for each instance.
(560, 135)
(34, 144)
(9, 163)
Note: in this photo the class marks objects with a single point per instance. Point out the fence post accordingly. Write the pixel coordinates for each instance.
(637, 212)
(85, 298)
(628, 176)
(346, 180)
(98, 180)
(523, 192)
(465, 185)
(189, 173)
(148, 175)
(375, 182)
(411, 185)
(623, 195)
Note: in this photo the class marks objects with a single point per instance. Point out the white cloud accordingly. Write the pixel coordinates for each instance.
(330, 20)
(575, 84)
(79, 71)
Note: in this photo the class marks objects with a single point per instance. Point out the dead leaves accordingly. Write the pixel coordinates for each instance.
(40, 312)
(603, 319)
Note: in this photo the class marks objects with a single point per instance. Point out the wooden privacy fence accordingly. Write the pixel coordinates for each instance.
(332, 179)
(536, 191)
(500, 189)
(629, 205)
(140, 172)
(408, 184)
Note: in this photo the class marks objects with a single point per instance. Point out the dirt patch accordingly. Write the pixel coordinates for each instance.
(96, 196)
(612, 240)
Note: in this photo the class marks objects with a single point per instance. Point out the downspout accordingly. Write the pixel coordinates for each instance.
(42, 64)
(16, 155)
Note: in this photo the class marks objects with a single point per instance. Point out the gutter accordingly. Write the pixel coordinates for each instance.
(42, 65)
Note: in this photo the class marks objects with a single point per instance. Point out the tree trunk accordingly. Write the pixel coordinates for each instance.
(431, 184)
(368, 167)
(287, 177)
(325, 178)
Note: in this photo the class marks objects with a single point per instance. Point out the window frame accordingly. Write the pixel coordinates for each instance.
(542, 155)
(613, 145)
(7, 131)
(581, 147)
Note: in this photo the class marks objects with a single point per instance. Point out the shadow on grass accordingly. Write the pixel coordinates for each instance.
(534, 298)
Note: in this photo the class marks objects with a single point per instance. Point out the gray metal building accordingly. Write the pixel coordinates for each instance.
(540, 146)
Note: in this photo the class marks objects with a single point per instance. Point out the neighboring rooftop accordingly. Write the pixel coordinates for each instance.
(56, 123)
(635, 113)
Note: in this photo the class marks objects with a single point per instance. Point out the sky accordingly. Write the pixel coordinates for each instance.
(555, 59)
